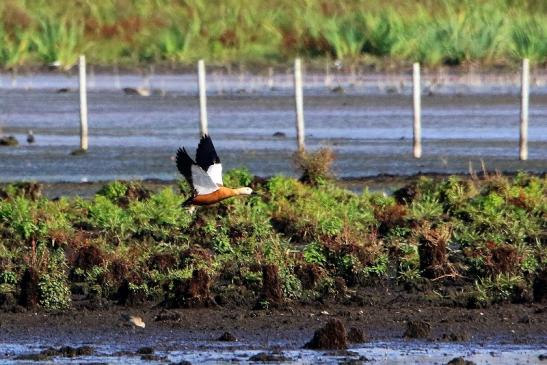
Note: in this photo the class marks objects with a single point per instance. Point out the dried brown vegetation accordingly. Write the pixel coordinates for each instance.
(316, 166)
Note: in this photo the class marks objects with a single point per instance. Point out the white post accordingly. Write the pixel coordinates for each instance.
(525, 89)
(202, 98)
(299, 99)
(83, 105)
(417, 144)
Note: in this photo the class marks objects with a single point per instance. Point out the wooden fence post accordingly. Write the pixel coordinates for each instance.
(83, 105)
(202, 98)
(525, 90)
(299, 102)
(417, 142)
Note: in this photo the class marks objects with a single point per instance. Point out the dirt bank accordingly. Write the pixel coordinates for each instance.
(383, 315)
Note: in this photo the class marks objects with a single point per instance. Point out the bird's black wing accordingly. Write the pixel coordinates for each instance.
(206, 154)
(184, 164)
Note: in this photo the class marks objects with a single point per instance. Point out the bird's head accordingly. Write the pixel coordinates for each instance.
(246, 191)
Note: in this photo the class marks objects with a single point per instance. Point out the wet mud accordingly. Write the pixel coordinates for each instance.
(385, 315)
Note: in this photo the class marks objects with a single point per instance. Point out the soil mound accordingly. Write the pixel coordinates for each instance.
(331, 337)
(193, 292)
(227, 337)
(417, 329)
(460, 361)
(271, 284)
(356, 335)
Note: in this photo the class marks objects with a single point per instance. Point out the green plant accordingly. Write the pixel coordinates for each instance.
(528, 38)
(18, 216)
(174, 43)
(113, 191)
(8, 277)
(54, 290)
(238, 177)
(161, 215)
(58, 40)
(378, 268)
(292, 287)
(15, 48)
(313, 254)
(345, 35)
(428, 208)
(383, 32)
(498, 289)
(105, 215)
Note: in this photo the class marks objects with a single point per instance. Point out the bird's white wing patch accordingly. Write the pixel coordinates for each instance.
(215, 171)
(203, 184)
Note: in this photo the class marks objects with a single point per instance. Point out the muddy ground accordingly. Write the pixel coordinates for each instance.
(383, 314)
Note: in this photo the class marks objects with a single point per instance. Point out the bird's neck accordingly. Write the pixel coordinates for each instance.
(229, 192)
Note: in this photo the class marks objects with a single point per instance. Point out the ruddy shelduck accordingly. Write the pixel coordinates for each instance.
(205, 175)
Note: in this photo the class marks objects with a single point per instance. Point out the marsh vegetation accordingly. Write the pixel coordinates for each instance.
(461, 241)
(446, 32)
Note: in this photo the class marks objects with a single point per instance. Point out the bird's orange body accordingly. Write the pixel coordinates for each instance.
(215, 197)
(205, 175)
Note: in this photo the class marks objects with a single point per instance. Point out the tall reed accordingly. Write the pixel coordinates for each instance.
(131, 32)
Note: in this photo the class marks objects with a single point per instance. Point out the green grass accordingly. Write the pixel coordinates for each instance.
(447, 32)
(488, 233)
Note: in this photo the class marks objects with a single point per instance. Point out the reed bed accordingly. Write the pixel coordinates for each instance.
(131, 32)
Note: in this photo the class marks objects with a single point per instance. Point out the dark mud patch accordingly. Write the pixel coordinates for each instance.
(460, 361)
(269, 357)
(166, 315)
(145, 351)
(65, 351)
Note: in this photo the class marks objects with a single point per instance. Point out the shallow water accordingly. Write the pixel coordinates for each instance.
(369, 127)
(378, 352)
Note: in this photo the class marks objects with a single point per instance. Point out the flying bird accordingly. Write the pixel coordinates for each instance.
(205, 175)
